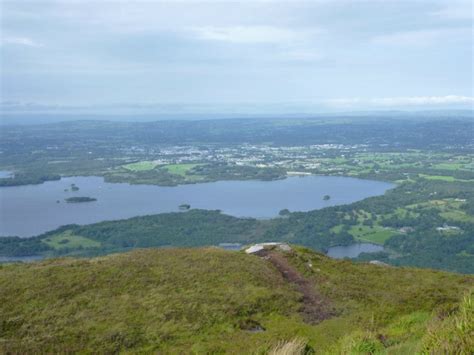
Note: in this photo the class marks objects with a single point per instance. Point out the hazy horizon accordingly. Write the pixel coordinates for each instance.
(230, 57)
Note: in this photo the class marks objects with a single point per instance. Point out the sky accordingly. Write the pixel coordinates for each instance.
(247, 55)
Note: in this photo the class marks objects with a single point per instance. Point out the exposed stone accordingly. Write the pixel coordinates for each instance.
(270, 245)
(378, 262)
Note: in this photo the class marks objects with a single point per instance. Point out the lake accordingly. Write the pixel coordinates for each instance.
(353, 250)
(33, 209)
(5, 174)
(23, 259)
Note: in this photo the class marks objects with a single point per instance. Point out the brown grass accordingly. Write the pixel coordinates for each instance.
(296, 346)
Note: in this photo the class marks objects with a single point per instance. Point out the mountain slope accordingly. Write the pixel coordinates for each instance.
(210, 300)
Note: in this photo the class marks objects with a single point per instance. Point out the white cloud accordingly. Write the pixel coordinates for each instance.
(422, 37)
(403, 101)
(303, 55)
(460, 10)
(252, 34)
(20, 41)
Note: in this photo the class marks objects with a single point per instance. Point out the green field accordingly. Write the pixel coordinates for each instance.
(375, 234)
(179, 169)
(458, 216)
(69, 240)
(442, 178)
(337, 229)
(392, 165)
(140, 166)
(448, 166)
(458, 162)
(448, 208)
(362, 233)
(438, 177)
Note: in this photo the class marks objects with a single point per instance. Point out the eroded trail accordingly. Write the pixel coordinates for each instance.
(315, 308)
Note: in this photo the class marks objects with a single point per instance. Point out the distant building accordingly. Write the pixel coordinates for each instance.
(446, 228)
(405, 230)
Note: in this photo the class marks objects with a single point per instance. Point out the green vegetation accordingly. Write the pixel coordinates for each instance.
(176, 174)
(457, 215)
(449, 166)
(193, 228)
(80, 199)
(210, 301)
(179, 152)
(441, 177)
(68, 240)
(180, 169)
(375, 234)
(294, 346)
(140, 166)
(29, 178)
(416, 211)
(454, 333)
(16, 246)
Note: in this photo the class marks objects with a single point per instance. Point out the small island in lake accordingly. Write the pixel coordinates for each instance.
(79, 199)
(74, 187)
(184, 207)
(326, 197)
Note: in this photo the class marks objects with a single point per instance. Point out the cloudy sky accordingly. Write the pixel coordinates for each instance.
(324, 54)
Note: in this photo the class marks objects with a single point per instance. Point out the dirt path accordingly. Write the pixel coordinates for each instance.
(315, 308)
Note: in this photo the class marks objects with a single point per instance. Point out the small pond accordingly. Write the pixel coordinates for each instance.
(24, 259)
(353, 250)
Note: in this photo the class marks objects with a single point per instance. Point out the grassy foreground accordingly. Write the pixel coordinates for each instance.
(215, 301)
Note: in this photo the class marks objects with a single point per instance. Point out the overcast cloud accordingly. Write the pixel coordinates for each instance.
(329, 54)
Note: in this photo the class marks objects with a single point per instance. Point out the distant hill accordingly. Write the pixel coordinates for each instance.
(215, 301)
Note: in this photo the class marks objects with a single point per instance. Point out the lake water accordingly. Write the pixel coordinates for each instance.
(230, 246)
(5, 174)
(23, 259)
(353, 250)
(33, 209)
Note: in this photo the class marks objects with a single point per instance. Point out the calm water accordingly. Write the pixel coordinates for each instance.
(23, 259)
(33, 209)
(5, 174)
(352, 251)
(230, 246)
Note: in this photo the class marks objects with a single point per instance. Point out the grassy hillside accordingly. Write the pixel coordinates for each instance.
(215, 301)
